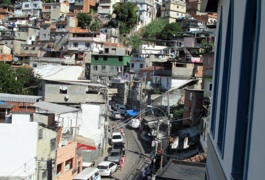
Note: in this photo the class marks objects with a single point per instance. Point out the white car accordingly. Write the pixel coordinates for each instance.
(135, 123)
(106, 168)
(116, 137)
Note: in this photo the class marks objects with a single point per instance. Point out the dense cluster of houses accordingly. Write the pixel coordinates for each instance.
(83, 70)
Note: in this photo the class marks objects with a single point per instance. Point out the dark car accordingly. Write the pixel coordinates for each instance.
(118, 145)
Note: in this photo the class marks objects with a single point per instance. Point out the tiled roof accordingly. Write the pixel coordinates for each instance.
(77, 30)
(5, 57)
(197, 158)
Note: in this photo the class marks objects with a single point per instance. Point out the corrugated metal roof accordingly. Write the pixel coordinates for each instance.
(59, 109)
(19, 98)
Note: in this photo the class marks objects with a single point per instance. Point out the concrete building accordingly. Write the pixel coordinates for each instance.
(172, 10)
(105, 7)
(34, 153)
(236, 131)
(32, 8)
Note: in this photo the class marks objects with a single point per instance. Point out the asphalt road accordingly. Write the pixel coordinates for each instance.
(137, 154)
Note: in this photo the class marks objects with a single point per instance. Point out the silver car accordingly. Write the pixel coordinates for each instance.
(115, 155)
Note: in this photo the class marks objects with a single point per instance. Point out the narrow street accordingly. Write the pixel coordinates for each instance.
(137, 154)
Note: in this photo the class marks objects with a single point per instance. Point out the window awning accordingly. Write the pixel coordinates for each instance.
(84, 143)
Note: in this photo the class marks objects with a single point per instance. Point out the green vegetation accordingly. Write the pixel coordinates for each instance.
(126, 16)
(178, 112)
(21, 81)
(154, 29)
(135, 41)
(160, 29)
(6, 2)
(84, 20)
(95, 26)
(170, 30)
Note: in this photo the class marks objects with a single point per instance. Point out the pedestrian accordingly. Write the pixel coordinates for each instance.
(123, 158)
(122, 131)
(113, 126)
(123, 152)
(121, 164)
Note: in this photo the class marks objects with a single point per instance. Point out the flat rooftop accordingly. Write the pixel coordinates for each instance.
(182, 170)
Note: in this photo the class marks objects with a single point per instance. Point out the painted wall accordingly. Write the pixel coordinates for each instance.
(64, 154)
(21, 146)
(92, 125)
(219, 165)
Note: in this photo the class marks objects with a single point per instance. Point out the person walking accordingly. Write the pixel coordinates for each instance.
(123, 158)
(122, 131)
(121, 164)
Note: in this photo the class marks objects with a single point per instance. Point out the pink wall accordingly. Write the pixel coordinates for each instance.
(67, 154)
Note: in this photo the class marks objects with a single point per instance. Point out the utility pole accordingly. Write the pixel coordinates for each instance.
(168, 114)
(141, 91)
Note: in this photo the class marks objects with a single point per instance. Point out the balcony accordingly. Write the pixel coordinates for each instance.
(103, 10)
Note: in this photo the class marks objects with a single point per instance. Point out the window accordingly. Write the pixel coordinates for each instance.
(33, 48)
(75, 44)
(59, 169)
(44, 175)
(96, 58)
(106, 50)
(26, 5)
(105, 58)
(216, 76)
(68, 164)
(209, 86)
(103, 67)
(44, 35)
(34, 5)
(225, 83)
(95, 67)
(34, 64)
(87, 45)
(141, 65)
(132, 65)
(63, 90)
(53, 144)
(120, 59)
(250, 47)
(40, 133)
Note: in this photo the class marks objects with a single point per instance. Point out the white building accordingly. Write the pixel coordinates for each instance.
(29, 144)
(236, 133)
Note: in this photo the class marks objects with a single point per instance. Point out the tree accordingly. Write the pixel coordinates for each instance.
(95, 26)
(27, 80)
(6, 2)
(84, 20)
(126, 15)
(21, 81)
(170, 30)
(154, 29)
(8, 83)
(135, 41)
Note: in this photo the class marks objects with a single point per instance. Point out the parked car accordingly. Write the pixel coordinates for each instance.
(118, 145)
(147, 136)
(116, 115)
(115, 155)
(120, 108)
(134, 123)
(116, 137)
(106, 168)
